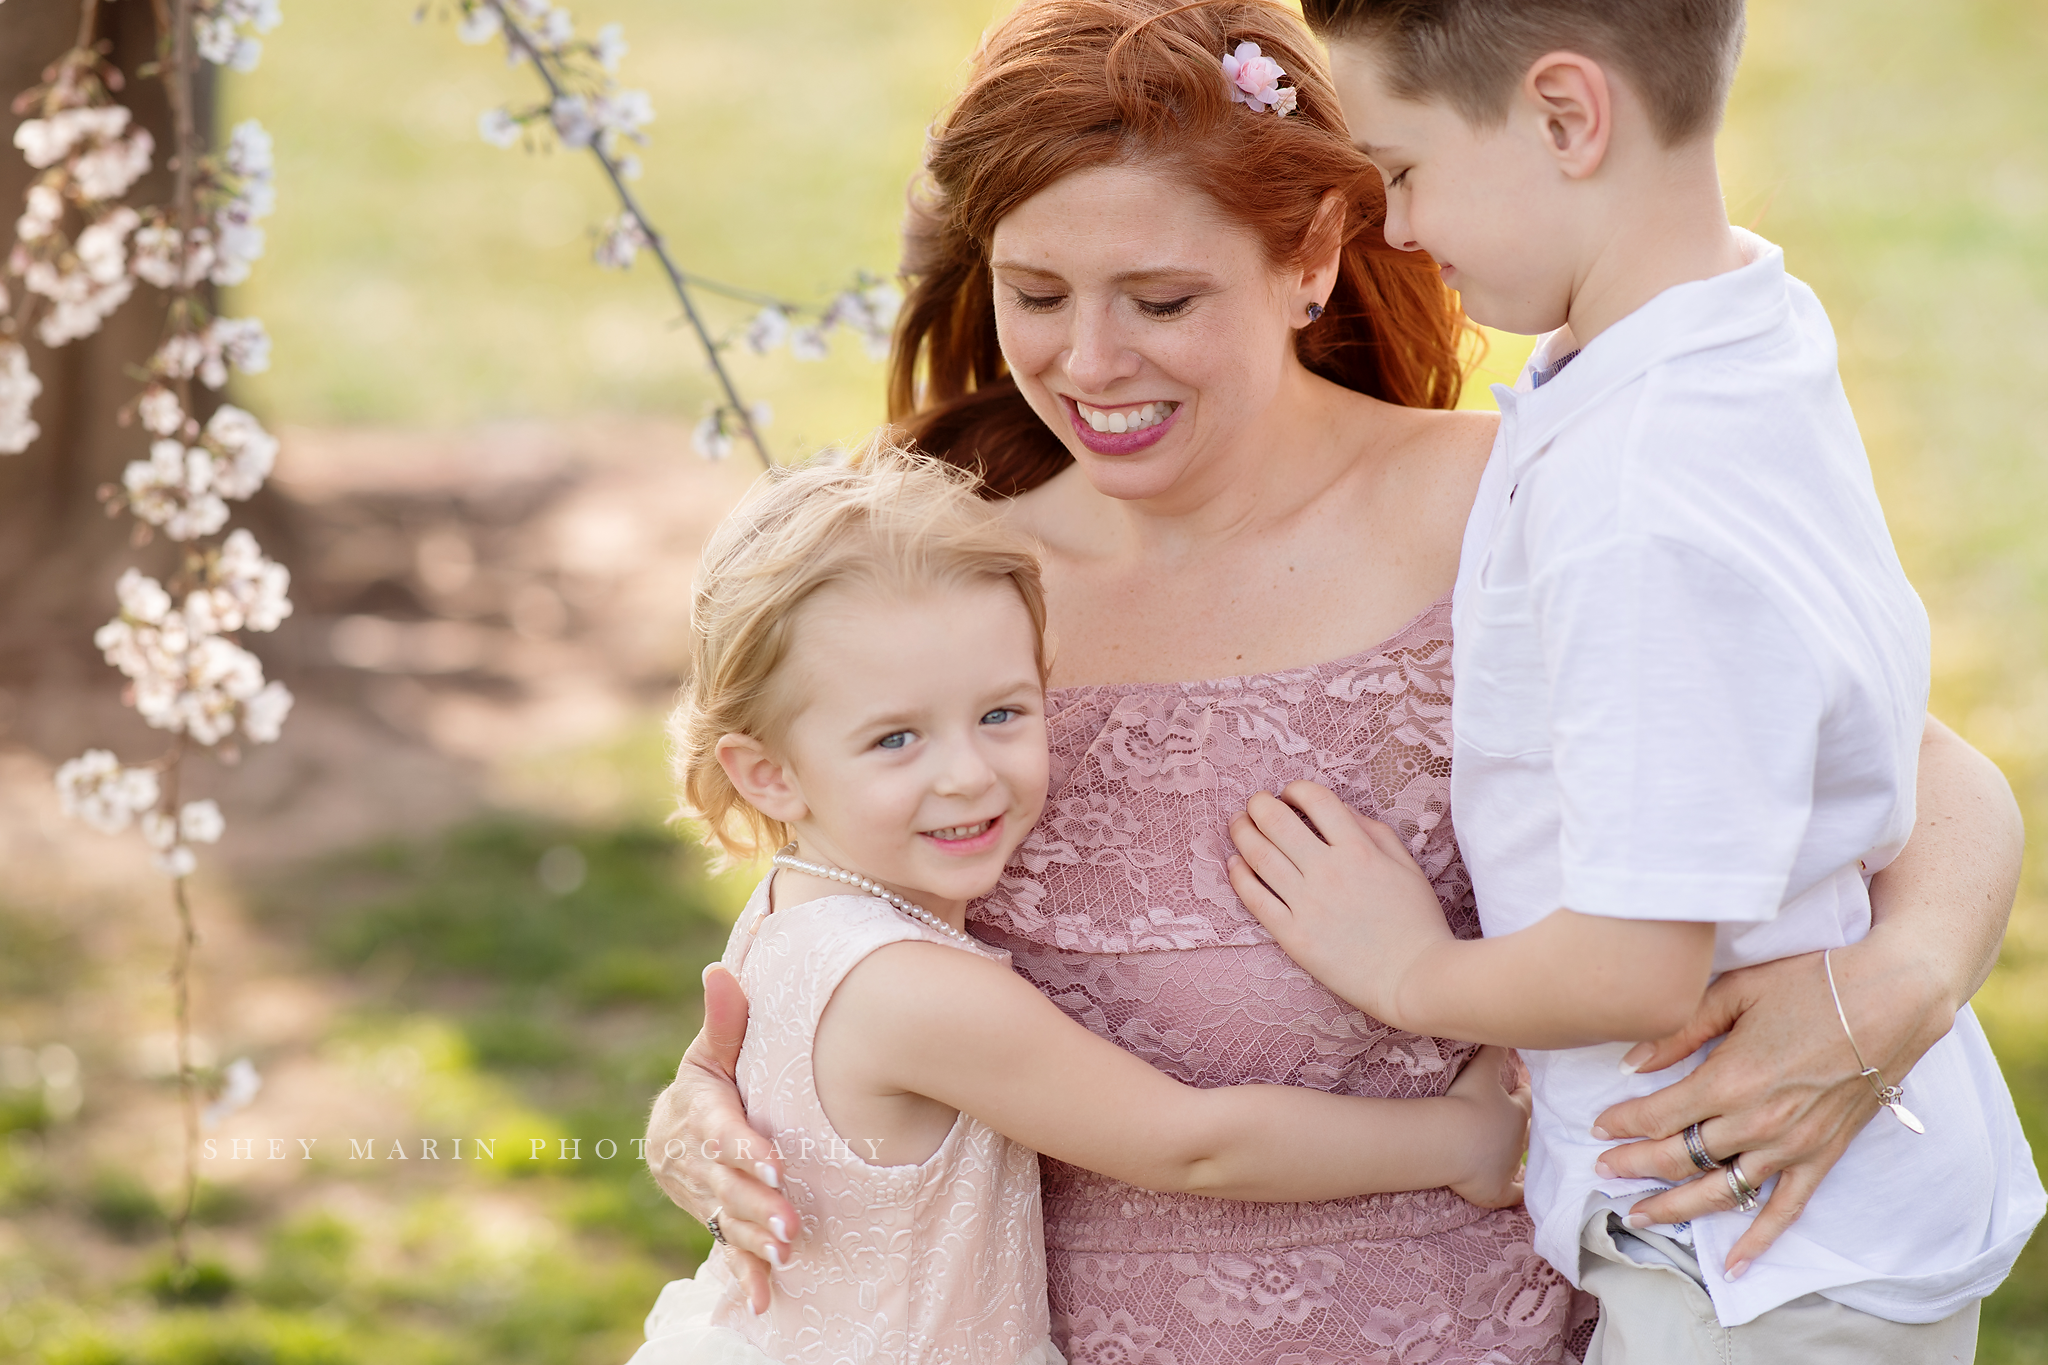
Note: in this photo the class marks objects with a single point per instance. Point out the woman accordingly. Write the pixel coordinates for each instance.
(1157, 313)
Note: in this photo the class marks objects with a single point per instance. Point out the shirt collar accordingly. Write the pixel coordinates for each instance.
(1686, 318)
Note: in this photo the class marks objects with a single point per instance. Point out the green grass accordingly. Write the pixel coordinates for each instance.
(575, 1000)
(520, 1008)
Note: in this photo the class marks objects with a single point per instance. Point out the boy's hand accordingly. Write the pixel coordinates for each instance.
(1337, 891)
(1496, 1085)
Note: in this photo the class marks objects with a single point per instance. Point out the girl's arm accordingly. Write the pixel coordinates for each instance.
(973, 1035)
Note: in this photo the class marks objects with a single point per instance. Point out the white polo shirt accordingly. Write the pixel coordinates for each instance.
(1691, 682)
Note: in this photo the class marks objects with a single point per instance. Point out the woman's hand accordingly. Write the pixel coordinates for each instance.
(705, 1155)
(1496, 1085)
(1782, 1090)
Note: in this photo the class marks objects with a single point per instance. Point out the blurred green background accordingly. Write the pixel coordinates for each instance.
(418, 279)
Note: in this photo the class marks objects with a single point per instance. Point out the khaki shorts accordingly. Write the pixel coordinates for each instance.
(1654, 1310)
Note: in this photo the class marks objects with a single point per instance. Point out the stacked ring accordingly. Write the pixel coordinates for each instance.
(1744, 1192)
(717, 1235)
(1696, 1148)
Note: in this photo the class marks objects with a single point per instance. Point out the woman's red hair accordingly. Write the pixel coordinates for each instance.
(1066, 85)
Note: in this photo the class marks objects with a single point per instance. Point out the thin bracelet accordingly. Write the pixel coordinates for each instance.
(1891, 1097)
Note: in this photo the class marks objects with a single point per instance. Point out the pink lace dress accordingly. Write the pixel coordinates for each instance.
(940, 1263)
(1118, 908)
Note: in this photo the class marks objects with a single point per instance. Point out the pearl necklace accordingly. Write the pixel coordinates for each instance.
(837, 874)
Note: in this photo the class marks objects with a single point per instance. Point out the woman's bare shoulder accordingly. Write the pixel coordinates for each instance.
(1423, 457)
(1451, 445)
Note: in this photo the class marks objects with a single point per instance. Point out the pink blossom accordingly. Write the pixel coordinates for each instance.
(1254, 77)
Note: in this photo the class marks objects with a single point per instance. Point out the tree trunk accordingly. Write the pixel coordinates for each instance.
(59, 551)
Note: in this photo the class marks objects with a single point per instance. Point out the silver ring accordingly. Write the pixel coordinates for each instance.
(1696, 1148)
(712, 1223)
(1744, 1192)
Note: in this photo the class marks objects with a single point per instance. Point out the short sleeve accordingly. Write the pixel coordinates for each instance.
(1685, 716)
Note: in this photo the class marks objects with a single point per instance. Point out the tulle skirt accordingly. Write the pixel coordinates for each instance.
(680, 1330)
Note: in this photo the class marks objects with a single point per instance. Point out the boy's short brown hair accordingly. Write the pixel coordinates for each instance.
(1678, 55)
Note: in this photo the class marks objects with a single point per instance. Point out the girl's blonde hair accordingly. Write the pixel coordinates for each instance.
(887, 520)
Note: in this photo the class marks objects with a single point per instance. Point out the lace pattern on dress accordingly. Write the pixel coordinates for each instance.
(1118, 908)
(938, 1263)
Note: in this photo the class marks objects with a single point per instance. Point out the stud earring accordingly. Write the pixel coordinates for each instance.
(1315, 310)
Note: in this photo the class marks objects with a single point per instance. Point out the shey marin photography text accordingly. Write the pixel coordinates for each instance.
(269, 1148)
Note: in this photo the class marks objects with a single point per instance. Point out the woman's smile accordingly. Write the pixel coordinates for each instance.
(1120, 430)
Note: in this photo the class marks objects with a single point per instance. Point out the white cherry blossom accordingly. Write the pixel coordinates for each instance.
(479, 25)
(19, 388)
(619, 242)
(610, 47)
(250, 452)
(239, 1092)
(574, 123)
(174, 489)
(808, 343)
(108, 170)
(263, 714)
(46, 141)
(142, 598)
(246, 591)
(218, 31)
(95, 788)
(496, 126)
(200, 822)
(158, 408)
(159, 830)
(39, 218)
(176, 861)
(768, 330)
(709, 437)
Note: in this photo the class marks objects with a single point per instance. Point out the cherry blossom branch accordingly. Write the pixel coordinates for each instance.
(78, 253)
(586, 109)
(177, 78)
(650, 237)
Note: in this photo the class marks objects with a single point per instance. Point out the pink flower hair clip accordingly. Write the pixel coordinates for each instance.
(1255, 80)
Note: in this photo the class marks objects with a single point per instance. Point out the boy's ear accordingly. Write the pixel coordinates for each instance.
(763, 781)
(1573, 98)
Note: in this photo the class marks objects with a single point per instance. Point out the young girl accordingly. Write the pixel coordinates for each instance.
(867, 693)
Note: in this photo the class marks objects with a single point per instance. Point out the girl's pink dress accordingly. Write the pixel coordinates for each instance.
(937, 1263)
(1118, 907)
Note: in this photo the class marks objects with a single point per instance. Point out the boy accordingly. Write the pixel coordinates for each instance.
(1691, 685)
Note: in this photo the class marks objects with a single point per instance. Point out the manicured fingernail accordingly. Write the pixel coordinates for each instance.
(775, 1256)
(779, 1228)
(1635, 1057)
(1602, 1133)
(1735, 1270)
(1637, 1220)
(770, 1177)
(1603, 1170)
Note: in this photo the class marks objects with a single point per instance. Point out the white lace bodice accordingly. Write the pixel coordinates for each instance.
(940, 1263)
